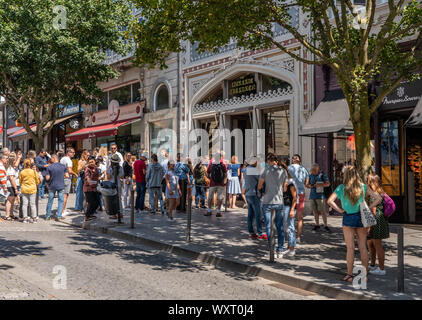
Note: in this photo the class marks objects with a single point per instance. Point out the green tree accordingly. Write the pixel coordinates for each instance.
(356, 46)
(53, 51)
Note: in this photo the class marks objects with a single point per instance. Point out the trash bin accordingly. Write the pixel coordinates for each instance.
(111, 199)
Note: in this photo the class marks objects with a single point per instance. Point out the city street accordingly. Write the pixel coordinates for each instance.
(100, 267)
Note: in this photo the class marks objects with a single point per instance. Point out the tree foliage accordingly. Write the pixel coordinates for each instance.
(42, 66)
(358, 47)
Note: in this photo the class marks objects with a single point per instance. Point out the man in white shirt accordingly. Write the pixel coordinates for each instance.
(67, 161)
(114, 151)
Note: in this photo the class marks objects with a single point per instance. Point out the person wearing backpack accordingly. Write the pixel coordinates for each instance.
(378, 232)
(217, 173)
(199, 174)
(275, 179)
(182, 171)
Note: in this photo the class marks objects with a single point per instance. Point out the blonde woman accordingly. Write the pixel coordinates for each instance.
(103, 153)
(379, 231)
(233, 188)
(351, 194)
(29, 182)
(82, 164)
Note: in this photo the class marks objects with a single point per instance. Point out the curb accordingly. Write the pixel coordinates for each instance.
(320, 289)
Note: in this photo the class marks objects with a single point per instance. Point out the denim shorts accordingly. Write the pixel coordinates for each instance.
(352, 220)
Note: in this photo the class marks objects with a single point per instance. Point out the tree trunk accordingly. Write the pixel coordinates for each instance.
(39, 143)
(362, 131)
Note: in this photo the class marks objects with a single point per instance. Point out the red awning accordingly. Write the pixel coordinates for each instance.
(96, 131)
(22, 132)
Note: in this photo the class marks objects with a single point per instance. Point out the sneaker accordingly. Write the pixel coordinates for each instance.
(35, 220)
(253, 236)
(291, 253)
(170, 219)
(374, 267)
(316, 228)
(378, 272)
(298, 241)
(219, 214)
(285, 252)
(327, 229)
(26, 220)
(60, 219)
(65, 213)
(263, 237)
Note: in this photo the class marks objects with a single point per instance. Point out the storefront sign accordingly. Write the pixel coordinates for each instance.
(115, 113)
(69, 109)
(113, 110)
(74, 124)
(404, 96)
(242, 86)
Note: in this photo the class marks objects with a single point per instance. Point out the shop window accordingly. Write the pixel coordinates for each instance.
(103, 105)
(344, 153)
(162, 98)
(390, 157)
(161, 137)
(277, 131)
(136, 95)
(123, 95)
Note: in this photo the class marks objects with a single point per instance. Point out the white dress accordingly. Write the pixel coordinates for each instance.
(233, 179)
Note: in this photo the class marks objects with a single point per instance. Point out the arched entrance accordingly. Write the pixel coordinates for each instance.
(250, 96)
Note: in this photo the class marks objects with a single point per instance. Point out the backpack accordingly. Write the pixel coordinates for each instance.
(217, 173)
(198, 174)
(389, 205)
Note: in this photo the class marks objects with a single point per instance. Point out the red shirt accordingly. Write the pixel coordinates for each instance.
(138, 169)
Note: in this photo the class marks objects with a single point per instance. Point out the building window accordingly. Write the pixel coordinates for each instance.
(162, 98)
(124, 95)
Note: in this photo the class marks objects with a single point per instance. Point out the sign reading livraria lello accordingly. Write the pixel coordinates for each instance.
(244, 85)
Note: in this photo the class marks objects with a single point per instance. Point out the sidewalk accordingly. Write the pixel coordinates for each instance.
(318, 266)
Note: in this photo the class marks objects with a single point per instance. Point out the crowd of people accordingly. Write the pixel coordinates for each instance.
(208, 182)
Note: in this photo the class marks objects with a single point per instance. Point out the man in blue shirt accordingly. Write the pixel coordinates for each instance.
(56, 173)
(41, 161)
(317, 181)
(299, 175)
(182, 171)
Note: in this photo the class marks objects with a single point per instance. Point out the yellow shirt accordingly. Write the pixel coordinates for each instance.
(28, 180)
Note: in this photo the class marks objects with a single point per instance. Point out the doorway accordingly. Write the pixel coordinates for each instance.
(414, 173)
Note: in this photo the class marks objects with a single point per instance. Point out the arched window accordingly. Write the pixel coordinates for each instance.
(162, 100)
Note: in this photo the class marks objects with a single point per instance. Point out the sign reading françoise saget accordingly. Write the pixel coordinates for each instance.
(406, 95)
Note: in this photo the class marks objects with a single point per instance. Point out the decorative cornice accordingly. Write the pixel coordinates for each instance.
(253, 99)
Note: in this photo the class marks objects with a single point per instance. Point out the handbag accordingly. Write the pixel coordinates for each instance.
(389, 205)
(368, 219)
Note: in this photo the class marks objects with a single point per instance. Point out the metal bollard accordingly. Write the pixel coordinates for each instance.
(400, 259)
(132, 208)
(189, 220)
(272, 236)
(226, 198)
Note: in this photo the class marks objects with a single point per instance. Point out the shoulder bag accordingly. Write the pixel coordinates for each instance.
(368, 219)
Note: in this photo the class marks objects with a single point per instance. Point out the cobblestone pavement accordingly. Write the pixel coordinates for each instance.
(100, 267)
